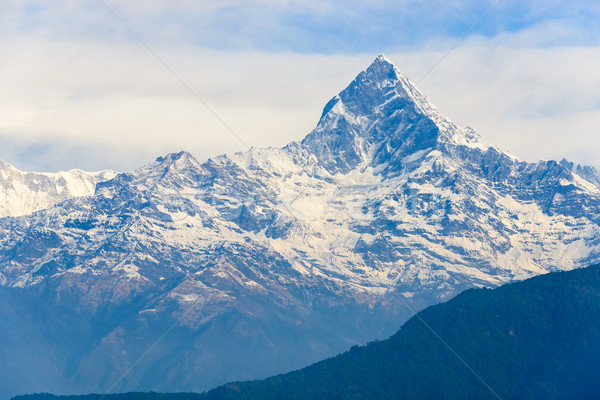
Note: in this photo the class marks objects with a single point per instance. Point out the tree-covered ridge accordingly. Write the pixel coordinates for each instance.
(536, 339)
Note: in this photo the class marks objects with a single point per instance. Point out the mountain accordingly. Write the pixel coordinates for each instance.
(23, 193)
(183, 275)
(587, 172)
(536, 339)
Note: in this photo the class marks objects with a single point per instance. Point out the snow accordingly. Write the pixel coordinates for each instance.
(23, 193)
(426, 219)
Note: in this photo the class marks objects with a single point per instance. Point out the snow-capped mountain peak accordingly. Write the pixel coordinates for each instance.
(381, 117)
(22, 193)
(586, 172)
(179, 160)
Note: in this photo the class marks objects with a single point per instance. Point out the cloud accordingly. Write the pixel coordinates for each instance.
(92, 95)
(537, 103)
(48, 153)
(308, 26)
(80, 91)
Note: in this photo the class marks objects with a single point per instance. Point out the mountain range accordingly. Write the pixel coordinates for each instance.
(536, 339)
(183, 275)
(23, 193)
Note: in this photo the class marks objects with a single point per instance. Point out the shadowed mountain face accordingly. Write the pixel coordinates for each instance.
(268, 260)
(537, 339)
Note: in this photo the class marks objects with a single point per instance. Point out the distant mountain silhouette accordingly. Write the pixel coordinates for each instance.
(537, 339)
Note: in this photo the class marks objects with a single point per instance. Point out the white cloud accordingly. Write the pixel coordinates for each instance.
(91, 93)
(535, 103)
(101, 100)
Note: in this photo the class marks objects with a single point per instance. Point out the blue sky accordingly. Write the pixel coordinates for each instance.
(81, 91)
(325, 27)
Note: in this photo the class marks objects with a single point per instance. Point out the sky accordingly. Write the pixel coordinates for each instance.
(113, 84)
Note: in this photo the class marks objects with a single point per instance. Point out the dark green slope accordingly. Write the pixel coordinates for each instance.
(537, 339)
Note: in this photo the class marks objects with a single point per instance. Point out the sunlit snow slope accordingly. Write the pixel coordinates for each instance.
(23, 193)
